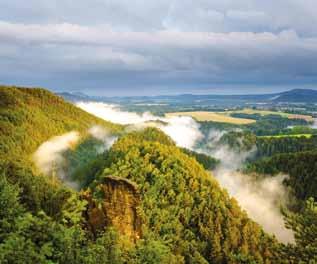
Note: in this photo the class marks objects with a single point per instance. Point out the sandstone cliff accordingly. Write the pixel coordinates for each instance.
(116, 206)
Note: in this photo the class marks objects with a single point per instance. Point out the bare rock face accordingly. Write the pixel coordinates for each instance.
(117, 207)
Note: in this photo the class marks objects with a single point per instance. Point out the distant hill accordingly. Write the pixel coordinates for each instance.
(292, 96)
(297, 95)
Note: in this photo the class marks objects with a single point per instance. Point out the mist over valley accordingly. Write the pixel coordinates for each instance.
(158, 132)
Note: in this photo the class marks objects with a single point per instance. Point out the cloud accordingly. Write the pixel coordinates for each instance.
(123, 46)
(84, 57)
(140, 15)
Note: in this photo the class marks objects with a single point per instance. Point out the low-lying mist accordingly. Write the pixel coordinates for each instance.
(48, 157)
(261, 198)
(50, 160)
(183, 130)
(113, 113)
(103, 135)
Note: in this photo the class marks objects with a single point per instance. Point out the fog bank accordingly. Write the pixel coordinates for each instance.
(183, 130)
(261, 198)
(50, 160)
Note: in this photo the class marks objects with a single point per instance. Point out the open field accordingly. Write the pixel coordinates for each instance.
(280, 136)
(224, 117)
(265, 112)
(213, 116)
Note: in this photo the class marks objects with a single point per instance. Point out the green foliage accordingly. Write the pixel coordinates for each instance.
(300, 166)
(28, 117)
(37, 192)
(254, 116)
(72, 210)
(185, 205)
(302, 130)
(238, 140)
(206, 126)
(187, 217)
(86, 173)
(83, 160)
(152, 134)
(276, 145)
(105, 250)
(209, 163)
(304, 225)
(38, 238)
(273, 125)
(151, 251)
(24, 238)
(265, 125)
(242, 259)
(10, 206)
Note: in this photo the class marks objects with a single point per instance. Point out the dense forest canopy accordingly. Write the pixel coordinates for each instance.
(184, 214)
(300, 166)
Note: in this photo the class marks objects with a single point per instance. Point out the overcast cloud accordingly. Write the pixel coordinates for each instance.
(134, 47)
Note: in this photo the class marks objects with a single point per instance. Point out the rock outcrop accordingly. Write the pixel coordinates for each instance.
(116, 205)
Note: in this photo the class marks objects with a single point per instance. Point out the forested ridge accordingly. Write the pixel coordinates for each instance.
(300, 166)
(269, 146)
(184, 204)
(31, 116)
(186, 216)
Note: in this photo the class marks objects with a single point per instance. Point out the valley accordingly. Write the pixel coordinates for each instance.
(107, 181)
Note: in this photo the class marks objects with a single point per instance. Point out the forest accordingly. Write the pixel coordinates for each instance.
(173, 209)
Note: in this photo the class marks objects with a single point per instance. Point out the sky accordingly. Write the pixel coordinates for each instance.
(151, 47)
